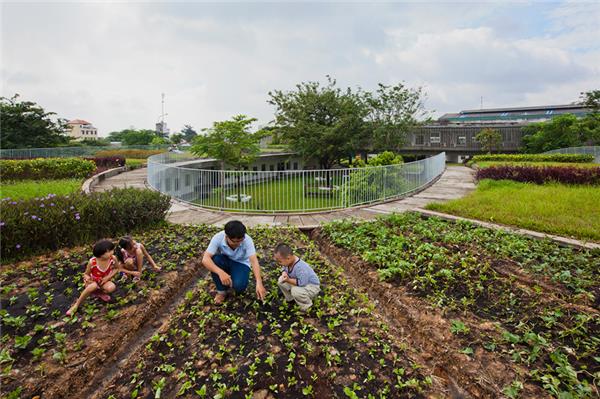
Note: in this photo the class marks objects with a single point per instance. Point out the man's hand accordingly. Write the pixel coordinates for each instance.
(261, 292)
(225, 279)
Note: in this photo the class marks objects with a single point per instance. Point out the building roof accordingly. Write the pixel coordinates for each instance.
(514, 114)
(78, 122)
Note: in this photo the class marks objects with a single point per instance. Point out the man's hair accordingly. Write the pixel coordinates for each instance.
(283, 250)
(102, 247)
(235, 229)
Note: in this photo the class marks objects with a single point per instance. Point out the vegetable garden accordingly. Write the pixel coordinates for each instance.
(409, 307)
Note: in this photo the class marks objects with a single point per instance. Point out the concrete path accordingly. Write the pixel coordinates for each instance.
(456, 182)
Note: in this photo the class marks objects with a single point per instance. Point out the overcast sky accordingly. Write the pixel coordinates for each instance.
(108, 63)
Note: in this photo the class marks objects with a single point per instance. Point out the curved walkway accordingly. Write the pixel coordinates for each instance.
(455, 182)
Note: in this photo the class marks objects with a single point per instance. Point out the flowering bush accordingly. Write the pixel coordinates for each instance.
(570, 158)
(107, 162)
(51, 222)
(541, 175)
(46, 168)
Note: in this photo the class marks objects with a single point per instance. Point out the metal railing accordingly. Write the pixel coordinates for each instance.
(286, 191)
(66, 152)
(593, 150)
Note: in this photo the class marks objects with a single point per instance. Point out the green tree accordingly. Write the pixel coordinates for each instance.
(177, 138)
(138, 137)
(320, 122)
(591, 99)
(489, 139)
(189, 133)
(562, 131)
(158, 140)
(392, 112)
(25, 124)
(232, 143)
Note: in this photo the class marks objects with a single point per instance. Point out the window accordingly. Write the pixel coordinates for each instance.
(263, 167)
(462, 140)
(255, 168)
(188, 179)
(434, 138)
(549, 112)
(287, 165)
(176, 183)
(295, 165)
(271, 167)
(419, 139)
(168, 184)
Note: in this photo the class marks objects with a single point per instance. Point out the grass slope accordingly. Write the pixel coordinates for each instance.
(36, 188)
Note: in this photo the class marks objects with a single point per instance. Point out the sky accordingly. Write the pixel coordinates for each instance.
(109, 62)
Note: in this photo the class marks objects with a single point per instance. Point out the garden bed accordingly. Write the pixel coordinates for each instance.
(44, 352)
(497, 312)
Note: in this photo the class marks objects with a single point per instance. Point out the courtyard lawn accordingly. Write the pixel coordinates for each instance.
(550, 208)
(285, 194)
(538, 164)
(135, 163)
(38, 188)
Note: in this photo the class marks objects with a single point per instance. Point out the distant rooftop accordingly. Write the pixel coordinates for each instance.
(513, 114)
(78, 122)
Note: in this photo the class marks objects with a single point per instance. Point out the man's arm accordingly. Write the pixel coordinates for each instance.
(261, 292)
(208, 263)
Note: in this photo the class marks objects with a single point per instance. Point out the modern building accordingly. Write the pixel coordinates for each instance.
(81, 130)
(455, 133)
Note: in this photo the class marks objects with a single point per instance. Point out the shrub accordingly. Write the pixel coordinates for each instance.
(136, 154)
(570, 158)
(107, 162)
(52, 222)
(541, 175)
(46, 168)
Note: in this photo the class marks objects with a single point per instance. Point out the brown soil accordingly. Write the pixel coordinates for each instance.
(102, 345)
(483, 375)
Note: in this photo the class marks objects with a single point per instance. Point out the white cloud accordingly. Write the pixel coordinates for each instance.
(108, 63)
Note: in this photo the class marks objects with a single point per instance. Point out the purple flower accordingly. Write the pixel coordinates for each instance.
(33, 217)
(18, 246)
(52, 204)
(2, 224)
(13, 203)
(77, 216)
(42, 206)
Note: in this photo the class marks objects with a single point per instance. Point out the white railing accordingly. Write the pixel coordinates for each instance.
(593, 150)
(287, 191)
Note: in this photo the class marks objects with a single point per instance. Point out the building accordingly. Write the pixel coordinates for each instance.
(82, 130)
(455, 133)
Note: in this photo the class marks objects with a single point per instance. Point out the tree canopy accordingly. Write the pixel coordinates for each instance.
(326, 123)
(320, 122)
(229, 141)
(133, 136)
(562, 131)
(188, 133)
(490, 139)
(27, 125)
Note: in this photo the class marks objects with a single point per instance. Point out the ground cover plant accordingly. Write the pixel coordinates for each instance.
(252, 349)
(43, 352)
(25, 189)
(529, 305)
(52, 222)
(541, 175)
(486, 164)
(573, 158)
(565, 210)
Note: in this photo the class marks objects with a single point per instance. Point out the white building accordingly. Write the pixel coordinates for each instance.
(80, 130)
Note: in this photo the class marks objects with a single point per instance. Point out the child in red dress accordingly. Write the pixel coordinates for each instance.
(98, 274)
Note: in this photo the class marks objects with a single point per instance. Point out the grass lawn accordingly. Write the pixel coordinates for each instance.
(538, 164)
(135, 163)
(38, 188)
(550, 208)
(286, 194)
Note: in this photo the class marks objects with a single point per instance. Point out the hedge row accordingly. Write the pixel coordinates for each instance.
(134, 154)
(46, 168)
(52, 222)
(541, 175)
(570, 158)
